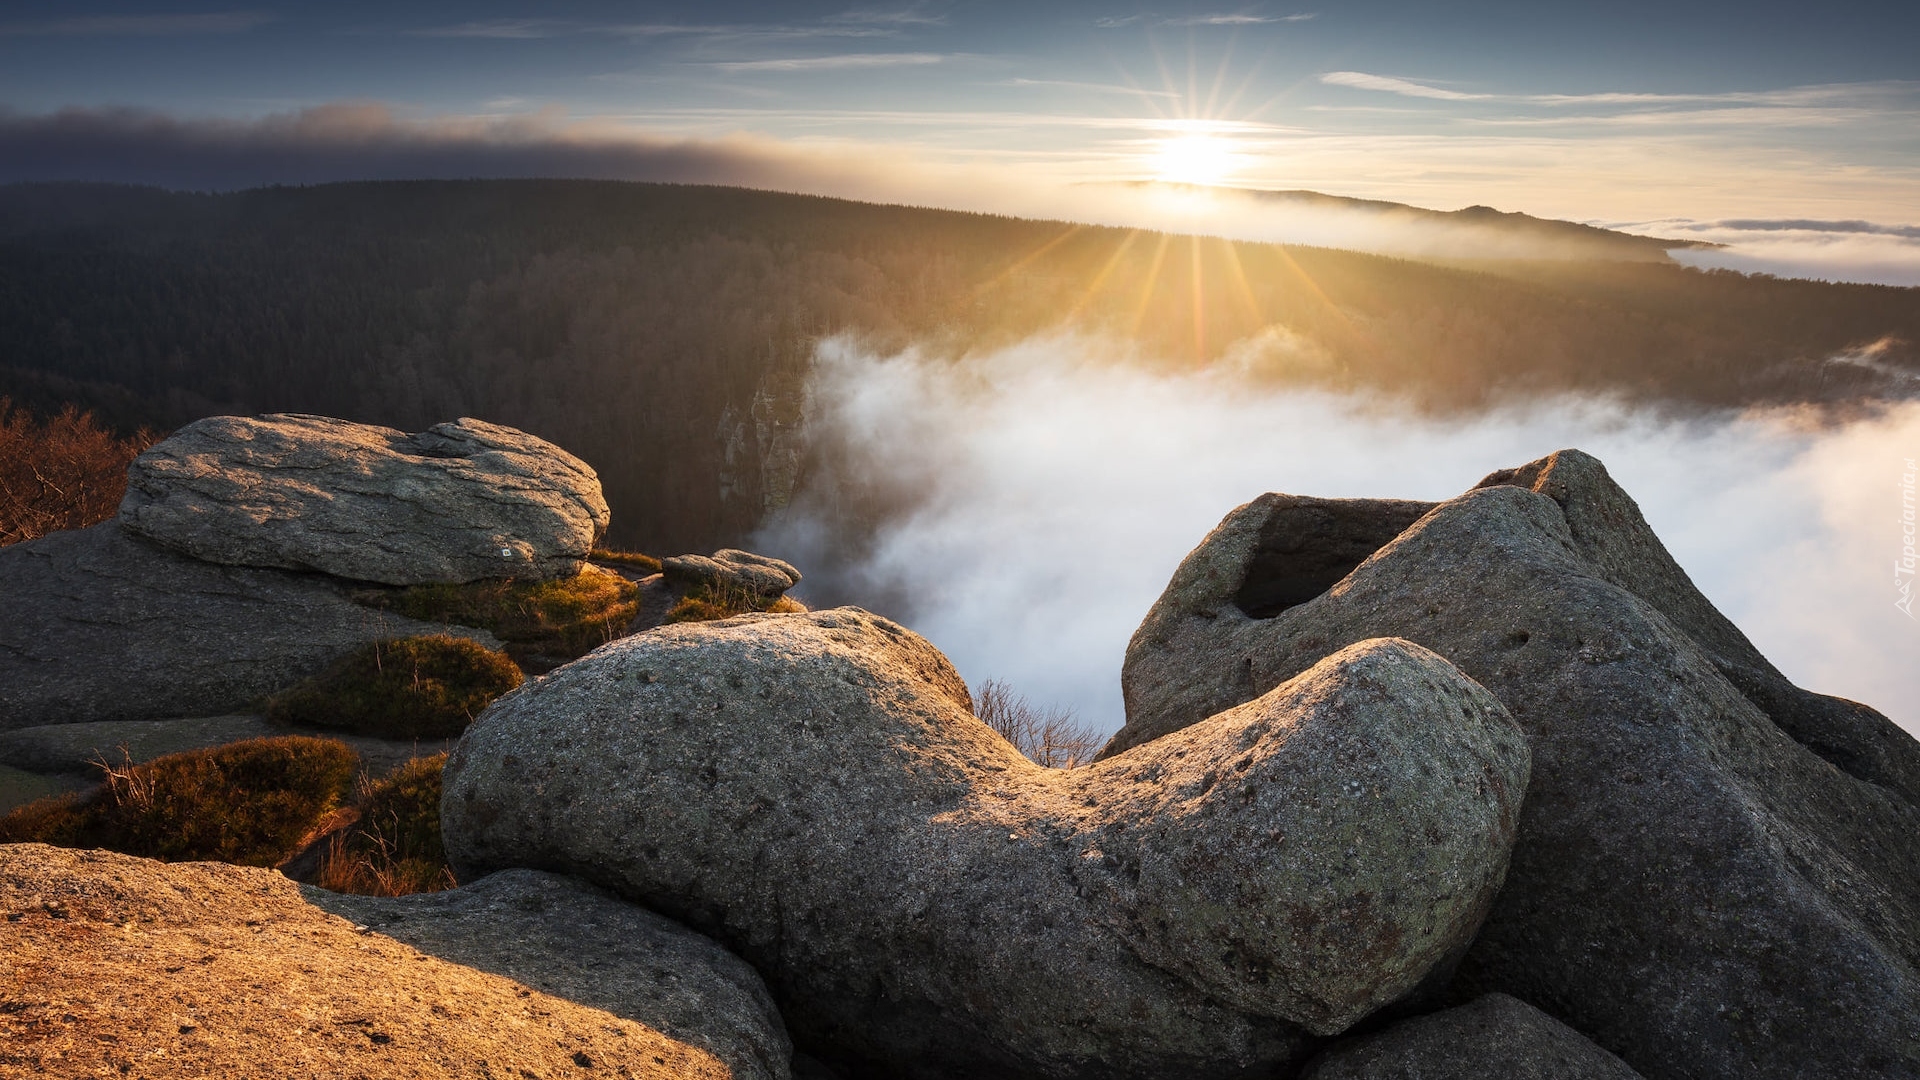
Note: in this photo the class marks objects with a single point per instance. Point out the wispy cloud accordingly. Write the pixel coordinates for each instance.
(219, 22)
(1360, 80)
(1102, 88)
(1218, 18)
(1790, 97)
(843, 62)
(535, 29)
(913, 15)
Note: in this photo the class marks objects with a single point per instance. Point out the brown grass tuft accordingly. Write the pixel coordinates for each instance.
(706, 603)
(543, 623)
(395, 848)
(633, 559)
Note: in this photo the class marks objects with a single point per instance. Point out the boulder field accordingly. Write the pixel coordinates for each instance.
(1475, 788)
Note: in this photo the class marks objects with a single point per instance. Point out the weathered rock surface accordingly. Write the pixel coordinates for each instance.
(1495, 1037)
(112, 965)
(73, 748)
(731, 569)
(813, 791)
(102, 625)
(565, 938)
(457, 502)
(1714, 876)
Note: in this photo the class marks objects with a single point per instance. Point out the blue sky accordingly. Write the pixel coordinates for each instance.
(1625, 112)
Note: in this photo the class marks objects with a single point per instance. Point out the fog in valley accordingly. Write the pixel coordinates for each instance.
(1034, 501)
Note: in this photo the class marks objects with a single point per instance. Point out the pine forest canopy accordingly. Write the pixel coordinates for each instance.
(664, 332)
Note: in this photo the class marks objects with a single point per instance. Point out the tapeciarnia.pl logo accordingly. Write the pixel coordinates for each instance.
(1903, 567)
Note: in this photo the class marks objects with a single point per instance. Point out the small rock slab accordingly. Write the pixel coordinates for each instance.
(564, 937)
(112, 965)
(731, 569)
(814, 791)
(458, 502)
(1494, 1037)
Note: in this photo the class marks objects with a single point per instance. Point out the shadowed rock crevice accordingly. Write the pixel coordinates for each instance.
(1306, 545)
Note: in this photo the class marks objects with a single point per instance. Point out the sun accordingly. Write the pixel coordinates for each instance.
(1194, 159)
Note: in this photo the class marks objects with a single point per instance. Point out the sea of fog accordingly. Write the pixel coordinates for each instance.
(1044, 494)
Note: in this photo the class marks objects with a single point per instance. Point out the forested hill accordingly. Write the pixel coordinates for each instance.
(663, 332)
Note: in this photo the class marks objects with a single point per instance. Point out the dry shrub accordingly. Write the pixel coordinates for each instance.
(1053, 737)
(248, 802)
(394, 849)
(706, 603)
(543, 623)
(66, 472)
(428, 687)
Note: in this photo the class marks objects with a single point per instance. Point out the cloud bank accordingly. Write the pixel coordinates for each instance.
(1042, 496)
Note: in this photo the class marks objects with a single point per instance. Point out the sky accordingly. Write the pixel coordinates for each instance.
(1674, 118)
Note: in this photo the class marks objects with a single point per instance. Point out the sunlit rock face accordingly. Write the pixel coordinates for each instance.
(458, 502)
(813, 791)
(565, 938)
(1714, 876)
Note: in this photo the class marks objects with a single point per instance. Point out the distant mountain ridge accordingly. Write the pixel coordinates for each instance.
(1476, 232)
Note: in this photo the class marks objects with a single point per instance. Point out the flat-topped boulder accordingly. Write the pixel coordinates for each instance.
(1715, 870)
(458, 502)
(813, 791)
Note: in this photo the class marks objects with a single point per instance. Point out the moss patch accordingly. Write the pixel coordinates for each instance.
(249, 803)
(543, 623)
(427, 687)
(394, 849)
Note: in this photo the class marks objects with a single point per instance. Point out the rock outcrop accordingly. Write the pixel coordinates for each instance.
(458, 502)
(813, 791)
(759, 577)
(1496, 1037)
(1714, 876)
(112, 965)
(103, 625)
(567, 939)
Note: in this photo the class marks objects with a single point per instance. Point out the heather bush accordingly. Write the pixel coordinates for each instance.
(250, 803)
(426, 687)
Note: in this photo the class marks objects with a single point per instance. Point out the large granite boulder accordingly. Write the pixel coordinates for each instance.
(1715, 872)
(457, 502)
(563, 937)
(116, 966)
(1495, 1037)
(102, 625)
(814, 791)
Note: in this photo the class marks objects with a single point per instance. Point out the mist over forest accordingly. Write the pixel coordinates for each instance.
(667, 333)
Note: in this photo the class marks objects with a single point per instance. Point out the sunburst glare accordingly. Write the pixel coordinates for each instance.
(1194, 159)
